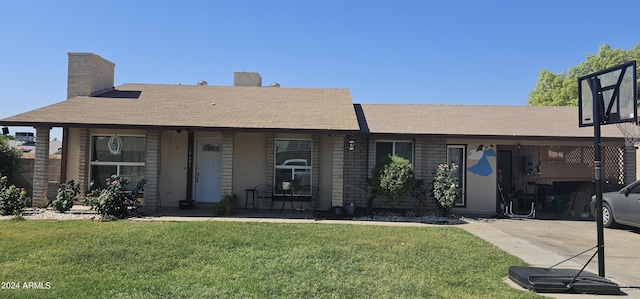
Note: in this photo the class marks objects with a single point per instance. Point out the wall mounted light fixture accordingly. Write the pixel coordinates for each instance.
(352, 145)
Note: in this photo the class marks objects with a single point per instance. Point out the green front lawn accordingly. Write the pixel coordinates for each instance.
(126, 259)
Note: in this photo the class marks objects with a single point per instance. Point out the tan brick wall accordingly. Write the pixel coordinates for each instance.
(271, 143)
(227, 163)
(337, 191)
(41, 166)
(83, 160)
(152, 168)
(315, 161)
(88, 74)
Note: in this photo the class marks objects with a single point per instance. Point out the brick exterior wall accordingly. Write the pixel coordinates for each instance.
(315, 161)
(428, 153)
(83, 158)
(271, 144)
(41, 167)
(88, 74)
(355, 171)
(152, 170)
(337, 191)
(227, 163)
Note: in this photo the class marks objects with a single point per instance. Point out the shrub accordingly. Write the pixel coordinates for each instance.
(397, 179)
(445, 187)
(66, 195)
(392, 177)
(12, 199)
(114, 200)
(226, 206)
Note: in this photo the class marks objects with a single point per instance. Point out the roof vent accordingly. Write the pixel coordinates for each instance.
(274, 84)
(202, 83)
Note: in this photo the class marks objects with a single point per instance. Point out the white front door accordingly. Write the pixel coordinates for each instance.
(208, 170)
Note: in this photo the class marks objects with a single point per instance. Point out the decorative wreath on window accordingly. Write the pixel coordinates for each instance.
(115, 144)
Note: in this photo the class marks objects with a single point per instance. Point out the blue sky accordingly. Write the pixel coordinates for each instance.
(446, 52)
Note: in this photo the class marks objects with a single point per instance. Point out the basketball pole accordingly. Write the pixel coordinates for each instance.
(598, 104)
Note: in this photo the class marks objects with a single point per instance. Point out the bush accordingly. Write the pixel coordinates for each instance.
(445, 187)
(397, 178)
(12, 199)
(226, 206)
(392, 177)
(66, 195)
(114, 200)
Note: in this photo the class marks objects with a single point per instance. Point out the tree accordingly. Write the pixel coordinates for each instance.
(562, 89)
(9, 158)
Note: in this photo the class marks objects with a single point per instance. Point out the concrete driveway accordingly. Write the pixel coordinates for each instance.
(543, 243)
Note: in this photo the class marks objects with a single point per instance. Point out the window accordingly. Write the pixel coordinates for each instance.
(402, 149)
(635, 189)
(128, 161)
(455, 155)
(293, 165)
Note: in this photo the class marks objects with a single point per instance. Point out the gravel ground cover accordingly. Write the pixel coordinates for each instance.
(44, 214)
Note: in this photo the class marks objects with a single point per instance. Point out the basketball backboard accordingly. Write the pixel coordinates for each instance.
(616, 94)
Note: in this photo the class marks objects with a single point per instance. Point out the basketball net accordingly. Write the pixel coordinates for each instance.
(631, 131)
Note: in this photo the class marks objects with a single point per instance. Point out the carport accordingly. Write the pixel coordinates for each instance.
(558, 177)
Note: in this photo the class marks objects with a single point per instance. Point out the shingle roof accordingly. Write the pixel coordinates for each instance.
(467, 120)
(202, 106)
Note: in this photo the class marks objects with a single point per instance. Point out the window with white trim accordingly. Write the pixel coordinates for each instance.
(455, 155)
(128, 160)
(403, 149)
(293, 166)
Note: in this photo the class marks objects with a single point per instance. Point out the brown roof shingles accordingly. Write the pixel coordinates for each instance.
(154, 105)
(467, 120)
(203, 106)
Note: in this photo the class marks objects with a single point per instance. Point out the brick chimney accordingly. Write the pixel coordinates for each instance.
(247, 79)
(88, 74)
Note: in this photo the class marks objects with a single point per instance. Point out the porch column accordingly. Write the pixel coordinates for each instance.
(41, 166)
(150, 202)
(315, 161)
(227, 163)
(271, 141)
(83, 161)
(629, 164)
(338, 171)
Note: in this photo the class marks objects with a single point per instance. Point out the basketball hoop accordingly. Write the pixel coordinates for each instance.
(631, 131)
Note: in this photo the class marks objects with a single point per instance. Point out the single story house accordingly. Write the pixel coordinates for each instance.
(199, 142)
(195, 142)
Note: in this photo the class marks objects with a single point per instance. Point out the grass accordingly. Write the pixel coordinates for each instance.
(124, 259)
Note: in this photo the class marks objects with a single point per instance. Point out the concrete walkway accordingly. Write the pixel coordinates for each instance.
(543, 243)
